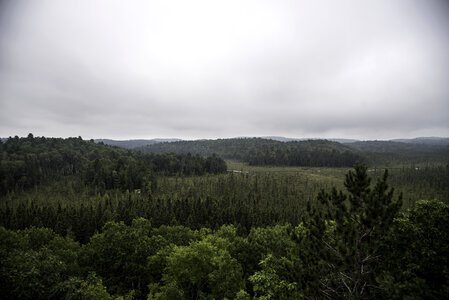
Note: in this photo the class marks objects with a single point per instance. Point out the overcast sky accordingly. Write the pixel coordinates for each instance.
(212, 69)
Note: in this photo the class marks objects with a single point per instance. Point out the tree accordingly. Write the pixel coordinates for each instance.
(118, 255)
(269, 283)
(35, 263)
(201, 270)
(416, 252)
(91, 288)
(349, 228)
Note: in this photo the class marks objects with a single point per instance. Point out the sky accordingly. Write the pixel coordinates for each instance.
(374, 69)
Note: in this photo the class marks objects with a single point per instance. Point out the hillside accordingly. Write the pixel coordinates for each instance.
(259, 151)
(425, 140)
(130, 144)
(320, 153)
(28, 162)
(391, 152)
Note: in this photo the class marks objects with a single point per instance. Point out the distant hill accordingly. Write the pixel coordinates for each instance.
(418, 140)
(283, 151)
(425, 140)
(395, 146)
(130, 144)
(277, 150)
(263, 151)
(282, 139)
(344, 141)
(394, 152)
(285, 139)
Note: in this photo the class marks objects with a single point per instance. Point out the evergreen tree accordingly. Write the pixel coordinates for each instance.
(349, 228)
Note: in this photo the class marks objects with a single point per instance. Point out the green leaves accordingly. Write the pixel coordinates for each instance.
(36, 263)
(203, 269)
(119, 255)
(416, 253)
(268, 283)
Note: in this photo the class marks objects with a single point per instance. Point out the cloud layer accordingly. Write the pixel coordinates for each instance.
(206, 69)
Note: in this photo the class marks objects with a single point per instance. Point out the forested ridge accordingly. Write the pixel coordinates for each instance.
(84, 220)
(259, 151)
(131, 144)
(27, 162)
(318, 153)
(393, 153)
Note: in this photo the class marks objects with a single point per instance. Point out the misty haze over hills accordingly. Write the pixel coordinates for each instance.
(130, 144)
(135, 143)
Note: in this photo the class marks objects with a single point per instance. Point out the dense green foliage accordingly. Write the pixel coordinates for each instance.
(261, 152)
(426, 182)
(108, 223)
(416, 254)
(248, 199)
(276, 262)
(245, 199)
(241, 199)
(350, 229)
(27, 162)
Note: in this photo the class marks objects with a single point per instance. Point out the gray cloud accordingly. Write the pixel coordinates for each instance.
(205, 69)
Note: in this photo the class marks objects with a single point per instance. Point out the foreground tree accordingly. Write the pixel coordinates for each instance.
(118, 255)
(202, 270)
(36, 263)
(416, 264)
(349, 228)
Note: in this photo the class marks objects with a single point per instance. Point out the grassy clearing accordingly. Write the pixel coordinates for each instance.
(318, 173)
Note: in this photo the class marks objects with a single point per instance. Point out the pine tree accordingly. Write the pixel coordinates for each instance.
(349, 228)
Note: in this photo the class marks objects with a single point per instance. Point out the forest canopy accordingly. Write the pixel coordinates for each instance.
(30, 161)
(380, 258)
(80, 220)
